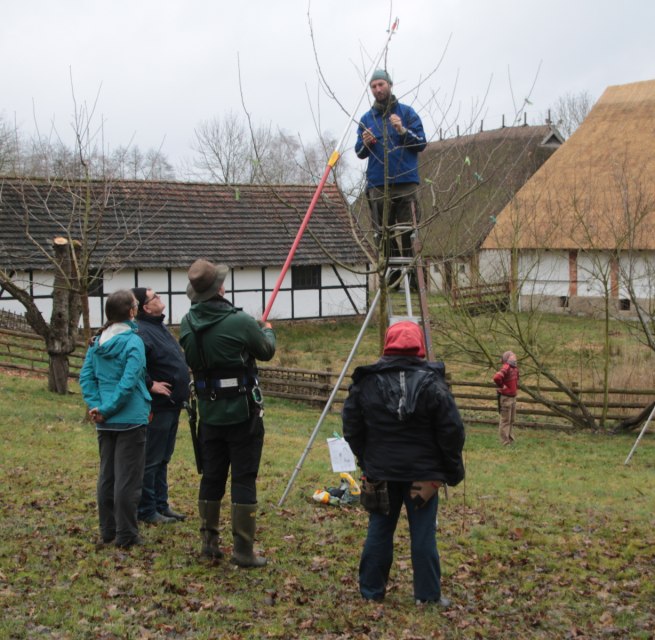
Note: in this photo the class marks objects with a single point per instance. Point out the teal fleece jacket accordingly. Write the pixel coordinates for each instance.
(113, 379)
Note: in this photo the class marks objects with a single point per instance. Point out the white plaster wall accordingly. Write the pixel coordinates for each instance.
(336, 304)
(494, 265)
(640, 268)
(272, 274)
(593, 274)
(306, 303)
(354, 277)
(435, 279)
(544, 273)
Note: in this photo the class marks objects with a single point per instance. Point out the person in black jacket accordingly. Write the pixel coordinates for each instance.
(167, 380)
(403, 426)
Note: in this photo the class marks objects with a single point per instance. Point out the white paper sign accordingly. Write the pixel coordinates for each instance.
(341, 456)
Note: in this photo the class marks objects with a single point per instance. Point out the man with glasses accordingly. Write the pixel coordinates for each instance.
(167, 379)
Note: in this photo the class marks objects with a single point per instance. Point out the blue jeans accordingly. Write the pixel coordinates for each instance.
(160, 444)
(377, 556)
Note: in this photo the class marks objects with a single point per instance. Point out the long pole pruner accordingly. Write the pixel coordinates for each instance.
(334, 158)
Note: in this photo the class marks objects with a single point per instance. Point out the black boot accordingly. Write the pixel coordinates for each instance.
(209, 511)
(243, 531)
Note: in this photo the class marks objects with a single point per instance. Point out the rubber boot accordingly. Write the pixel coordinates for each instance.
(244, 520)
(209, 511)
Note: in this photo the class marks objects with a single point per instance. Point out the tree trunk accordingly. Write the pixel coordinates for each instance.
(58, 373)
(64, 319)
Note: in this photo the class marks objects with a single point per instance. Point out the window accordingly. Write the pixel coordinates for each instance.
(624, 304)
(95, 282)
(306, 277)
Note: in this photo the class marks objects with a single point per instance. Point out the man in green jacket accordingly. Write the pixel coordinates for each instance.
(221, 343)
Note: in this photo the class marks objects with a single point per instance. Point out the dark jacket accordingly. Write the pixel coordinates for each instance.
(165, 362)
(402, 150)
(401, 422)
(231, 340)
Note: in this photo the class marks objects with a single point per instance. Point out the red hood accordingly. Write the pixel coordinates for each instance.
(404, 339)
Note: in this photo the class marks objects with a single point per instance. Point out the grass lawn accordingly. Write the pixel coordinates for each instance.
(554, 538)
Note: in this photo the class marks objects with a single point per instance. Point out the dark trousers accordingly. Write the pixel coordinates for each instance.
(160, 445)
(122, 456)
(236, 448)
(400, 198)
(377, 556)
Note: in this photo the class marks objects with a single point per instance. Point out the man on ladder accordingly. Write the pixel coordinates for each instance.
(391, 136)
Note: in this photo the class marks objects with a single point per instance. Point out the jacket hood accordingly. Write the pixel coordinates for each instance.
(111, 342)
(204, 314)
(509, 357)
(404, 339)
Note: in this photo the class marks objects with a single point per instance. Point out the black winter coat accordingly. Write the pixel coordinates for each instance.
(401, 422)
(165, 362)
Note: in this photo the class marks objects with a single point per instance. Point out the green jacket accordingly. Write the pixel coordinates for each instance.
(231, 340)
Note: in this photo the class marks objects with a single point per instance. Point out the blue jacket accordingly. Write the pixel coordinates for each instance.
(403, 150)
(165, 362)
(113, 379)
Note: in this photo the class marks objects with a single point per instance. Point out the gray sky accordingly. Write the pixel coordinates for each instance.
(163, 66)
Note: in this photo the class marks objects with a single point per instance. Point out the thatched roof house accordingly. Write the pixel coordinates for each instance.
(591, 206)
(467, 180)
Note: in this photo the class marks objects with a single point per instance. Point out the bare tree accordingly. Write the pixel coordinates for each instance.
(225, 151)
(570, 110)
(130, 163)
(75, 226)
(9, 148)
(231, 150)
(608, 219)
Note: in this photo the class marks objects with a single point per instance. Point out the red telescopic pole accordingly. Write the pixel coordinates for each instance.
(334, 158)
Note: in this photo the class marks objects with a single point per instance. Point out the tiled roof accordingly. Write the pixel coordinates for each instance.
(598, 191)
(170, 224)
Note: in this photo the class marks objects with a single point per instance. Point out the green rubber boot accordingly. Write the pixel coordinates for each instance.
(210, 511)
(244, 521)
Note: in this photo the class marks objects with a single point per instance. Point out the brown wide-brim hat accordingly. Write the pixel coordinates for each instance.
(205, 279)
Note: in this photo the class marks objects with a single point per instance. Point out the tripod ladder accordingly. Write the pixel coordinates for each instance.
(408, 266)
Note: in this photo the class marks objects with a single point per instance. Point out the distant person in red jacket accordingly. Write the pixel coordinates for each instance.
(507, 381)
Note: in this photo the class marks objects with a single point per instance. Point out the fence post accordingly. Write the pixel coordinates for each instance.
(575, 387)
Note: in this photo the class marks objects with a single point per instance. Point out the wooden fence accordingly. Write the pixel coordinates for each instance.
(480, 298)
(476, 400)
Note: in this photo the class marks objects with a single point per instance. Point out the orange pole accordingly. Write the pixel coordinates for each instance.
(331, 162)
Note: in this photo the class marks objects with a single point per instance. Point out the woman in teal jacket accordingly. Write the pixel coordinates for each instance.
(114, 389)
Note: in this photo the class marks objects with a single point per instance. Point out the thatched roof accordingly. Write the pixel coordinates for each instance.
(598, 191)
(170, 224)
(466, 181)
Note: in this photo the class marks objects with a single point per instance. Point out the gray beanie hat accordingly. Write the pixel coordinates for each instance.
(381, 74)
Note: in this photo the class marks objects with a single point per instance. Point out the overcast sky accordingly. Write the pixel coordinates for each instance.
(163, 66)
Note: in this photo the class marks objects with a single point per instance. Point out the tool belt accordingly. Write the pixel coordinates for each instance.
(374, 496)
(213, 385)
(422, 491)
